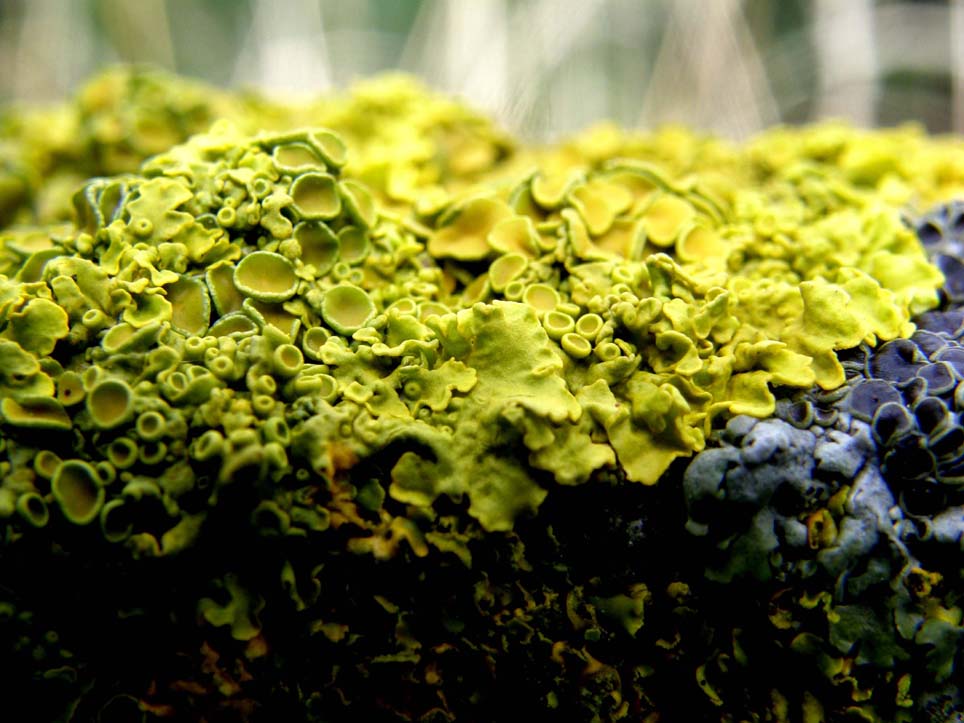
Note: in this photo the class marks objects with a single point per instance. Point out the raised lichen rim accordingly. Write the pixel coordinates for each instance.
(296, 157)
(191, 306)
(110, 403)
(354, 245)
(236, 324)
(77, 489)
(266, 276)
(320, 246)
(35, 413)
(330, 145)
(346, 308)
(315, 196)
(33, 508)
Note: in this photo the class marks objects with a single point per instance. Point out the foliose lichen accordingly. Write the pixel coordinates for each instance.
(415, 401)
(849, 503)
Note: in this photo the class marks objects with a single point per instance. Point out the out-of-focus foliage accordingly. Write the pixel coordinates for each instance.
(116, 121)
(372, 412)
(400, 135)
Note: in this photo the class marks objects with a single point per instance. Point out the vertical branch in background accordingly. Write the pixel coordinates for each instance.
(285, 48)
(476, 50)
(508, 63)
(957, 65)
(708, 72)
(541, 100)
(206, 36)
(634, 39)
(9, 41)
(461, 47)
(420, 52)
(733, 75)
(847, 67)
(914, 62)
(579, 87)
(54, 50)
(139, 32)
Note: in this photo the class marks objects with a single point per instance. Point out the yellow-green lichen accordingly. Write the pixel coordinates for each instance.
(35, 413)
(657, 303)
(376, 323)
(77, 489)
(266, 277)
(675, 341)
(110, 403)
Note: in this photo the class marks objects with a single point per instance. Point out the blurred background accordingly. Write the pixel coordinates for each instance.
(543, 67)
